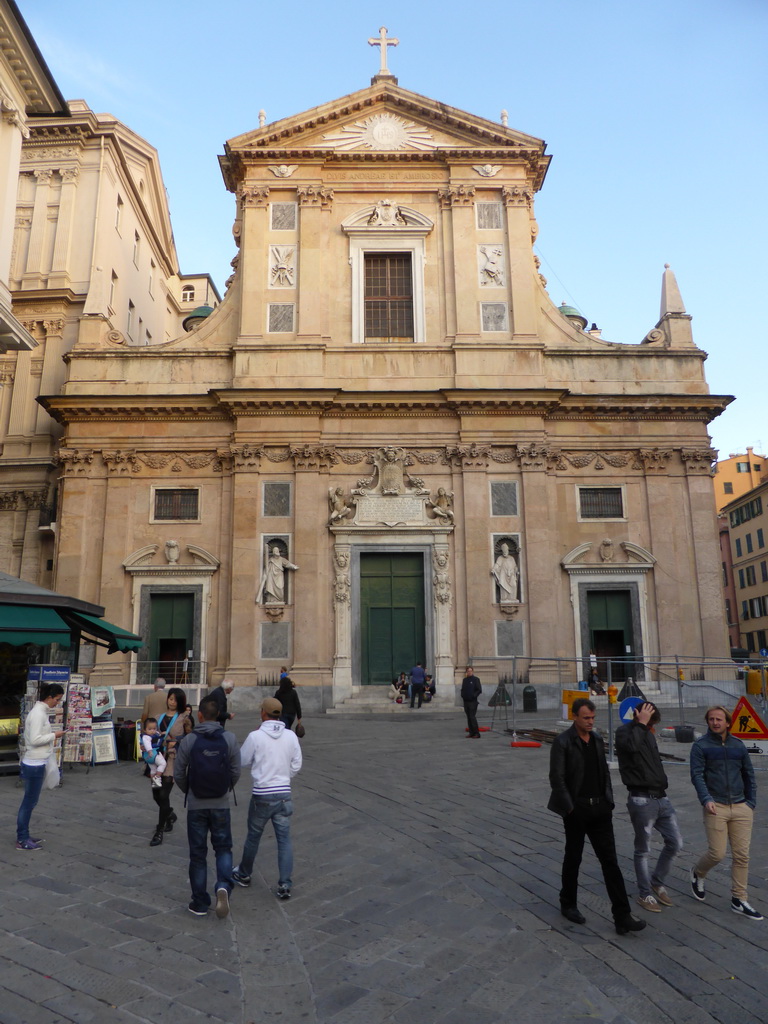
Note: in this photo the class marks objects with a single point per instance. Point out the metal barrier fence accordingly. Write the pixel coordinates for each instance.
(674, 682)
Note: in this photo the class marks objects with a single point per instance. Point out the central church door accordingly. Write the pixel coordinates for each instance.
(392, 615)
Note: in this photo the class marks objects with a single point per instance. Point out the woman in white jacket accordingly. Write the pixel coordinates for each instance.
(39, 738)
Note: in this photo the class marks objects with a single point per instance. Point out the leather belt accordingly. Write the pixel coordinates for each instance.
(590, 801)
(654, 794)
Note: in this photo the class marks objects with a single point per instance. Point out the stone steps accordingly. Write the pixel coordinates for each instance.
(374, 700)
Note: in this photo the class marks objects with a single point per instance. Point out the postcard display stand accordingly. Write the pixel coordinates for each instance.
(78, 739)
(103, 728)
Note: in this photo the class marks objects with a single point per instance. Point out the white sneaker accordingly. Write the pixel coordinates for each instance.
(742, 907)
(697, 885)
(649, 903)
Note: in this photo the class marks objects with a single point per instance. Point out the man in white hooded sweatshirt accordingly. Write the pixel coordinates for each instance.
(273, 755)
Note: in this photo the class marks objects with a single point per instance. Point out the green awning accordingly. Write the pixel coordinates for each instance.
(27, 624)
(117, 639)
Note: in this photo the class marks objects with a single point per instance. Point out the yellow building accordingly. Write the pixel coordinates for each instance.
(387, 443)
(748, 523)
(738, 474)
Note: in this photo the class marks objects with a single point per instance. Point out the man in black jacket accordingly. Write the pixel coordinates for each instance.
(582, 795)
(220, 694)
(470, 691)
(648, 804)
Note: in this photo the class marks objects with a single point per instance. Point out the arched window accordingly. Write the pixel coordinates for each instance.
(188, 293)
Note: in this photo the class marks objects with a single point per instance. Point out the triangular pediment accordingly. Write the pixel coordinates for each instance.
(385, 119)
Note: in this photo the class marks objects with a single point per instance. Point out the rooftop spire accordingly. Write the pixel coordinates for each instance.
(671, 300)
(384, 75)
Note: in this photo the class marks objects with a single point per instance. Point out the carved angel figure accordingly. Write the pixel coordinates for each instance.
(282, 170)
(486, 170)
(441, 506)
(386, 213)
(339, 507)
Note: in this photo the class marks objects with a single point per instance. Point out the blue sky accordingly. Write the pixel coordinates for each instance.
(654, 114)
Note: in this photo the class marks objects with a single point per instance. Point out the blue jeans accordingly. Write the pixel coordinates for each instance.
(33, 776)
(199, 823)
(646, 814)
(259, 813)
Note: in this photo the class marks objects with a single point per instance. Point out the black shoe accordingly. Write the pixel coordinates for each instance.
(173, 818)
(168, 826)
(629, 924)
(573, 914)
(157, 838)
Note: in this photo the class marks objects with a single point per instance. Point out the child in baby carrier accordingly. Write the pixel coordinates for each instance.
(151, 753)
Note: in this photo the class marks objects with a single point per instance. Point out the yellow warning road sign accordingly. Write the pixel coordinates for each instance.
(746, 723)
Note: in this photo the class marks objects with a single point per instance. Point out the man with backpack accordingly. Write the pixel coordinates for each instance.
(207, 767)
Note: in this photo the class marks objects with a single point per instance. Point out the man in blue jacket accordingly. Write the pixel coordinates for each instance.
(721, 771)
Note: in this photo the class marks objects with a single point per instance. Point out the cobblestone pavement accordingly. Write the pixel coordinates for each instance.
(426, 880)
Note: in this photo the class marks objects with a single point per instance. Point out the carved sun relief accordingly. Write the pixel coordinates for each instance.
(381, 132)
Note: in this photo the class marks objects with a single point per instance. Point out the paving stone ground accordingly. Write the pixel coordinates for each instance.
(426, 881)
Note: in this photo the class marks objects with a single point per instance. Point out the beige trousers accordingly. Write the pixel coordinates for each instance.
(730, 822)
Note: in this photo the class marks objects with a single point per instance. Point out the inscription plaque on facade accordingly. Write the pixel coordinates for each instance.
(401, 508)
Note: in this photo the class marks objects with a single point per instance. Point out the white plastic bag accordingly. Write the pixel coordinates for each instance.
(52, 773)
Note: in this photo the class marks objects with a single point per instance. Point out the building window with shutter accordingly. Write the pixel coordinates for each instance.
(388, 296)
(601, 503)
(176, 504)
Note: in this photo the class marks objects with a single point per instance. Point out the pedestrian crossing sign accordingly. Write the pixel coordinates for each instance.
(746, 724)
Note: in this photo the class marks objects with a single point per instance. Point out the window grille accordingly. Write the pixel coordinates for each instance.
(601, 503)
(388, 296)
(176, 503)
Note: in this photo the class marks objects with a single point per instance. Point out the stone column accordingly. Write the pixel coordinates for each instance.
(13, 129)
(244, 625)
(547, 593)
(23, 411)
(521, 232)
(312, 605)
(53, 373)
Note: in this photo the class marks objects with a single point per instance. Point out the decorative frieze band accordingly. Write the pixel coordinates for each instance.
(319, 457)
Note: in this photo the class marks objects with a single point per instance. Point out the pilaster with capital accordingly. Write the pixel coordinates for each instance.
(315, 204)
(54, 370)
(39, 227)
(59, 276)
(442, 593)
(342, 660)
(458, 204)
(254, 257)
(518, 203)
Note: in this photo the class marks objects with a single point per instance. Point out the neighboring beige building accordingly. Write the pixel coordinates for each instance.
(748, 521)
(92, 245)
(387, 443)
(737, 475)
(729, 582)
(27, 91)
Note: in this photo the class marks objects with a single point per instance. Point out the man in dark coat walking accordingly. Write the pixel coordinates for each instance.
(220, 694)
(583, 796)
(470, 691)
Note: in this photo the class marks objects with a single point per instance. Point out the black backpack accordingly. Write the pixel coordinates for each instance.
(209, 771)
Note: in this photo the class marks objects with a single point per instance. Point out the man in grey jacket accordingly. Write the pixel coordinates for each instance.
(207, 766)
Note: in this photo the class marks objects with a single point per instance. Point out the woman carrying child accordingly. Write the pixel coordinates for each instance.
(175, 724)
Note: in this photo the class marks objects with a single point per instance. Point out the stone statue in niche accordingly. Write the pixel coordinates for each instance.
(282, 269)
(442, 506)
(492, 266)
(507, 574)
(340, 509)
(172, 552)
(386, 214)
(272, 583)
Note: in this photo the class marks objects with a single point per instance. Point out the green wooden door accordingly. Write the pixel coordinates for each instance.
(391, 614)
(610, 627)
(171, 632)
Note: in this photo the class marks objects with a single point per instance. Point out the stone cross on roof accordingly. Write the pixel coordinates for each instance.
(382, 42)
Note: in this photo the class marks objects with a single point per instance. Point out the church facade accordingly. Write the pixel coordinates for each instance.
(387, 443)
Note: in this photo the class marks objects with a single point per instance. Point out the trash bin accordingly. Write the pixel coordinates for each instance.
(529, 698)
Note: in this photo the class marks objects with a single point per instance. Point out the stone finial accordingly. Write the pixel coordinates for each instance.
(504, 118)
(262, 118)
(671, 300)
